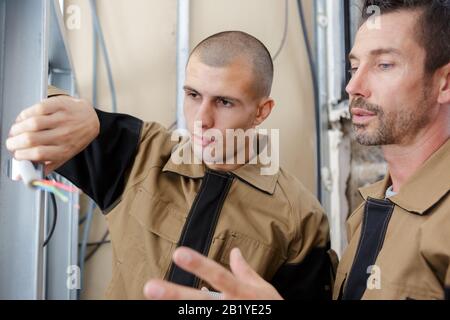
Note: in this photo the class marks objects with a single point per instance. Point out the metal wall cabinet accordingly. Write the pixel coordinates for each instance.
(336, 23)
(32, 54)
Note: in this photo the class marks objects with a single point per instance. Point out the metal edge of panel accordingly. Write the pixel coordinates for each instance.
(63, 249)
(183, 14)
(40, 201)
(2, 58)
(60, 60)
(24, 254)
(321, 28)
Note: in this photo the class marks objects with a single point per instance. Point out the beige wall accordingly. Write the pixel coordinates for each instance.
(141, 38)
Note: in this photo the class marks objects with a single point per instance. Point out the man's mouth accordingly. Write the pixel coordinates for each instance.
(362, 116)
(203, 141)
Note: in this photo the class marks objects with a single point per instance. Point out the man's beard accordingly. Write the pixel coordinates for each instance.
(394, 127)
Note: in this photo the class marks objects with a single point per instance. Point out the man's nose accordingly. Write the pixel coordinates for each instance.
(205, 114)
(358, 85)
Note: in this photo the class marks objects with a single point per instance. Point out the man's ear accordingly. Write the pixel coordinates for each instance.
(264, 109)
(444, 85)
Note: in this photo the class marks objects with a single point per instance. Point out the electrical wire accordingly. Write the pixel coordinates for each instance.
(94, 68)
(90, 244)
(99, 33)
(98, 38)
(348, 44)
(172, 126)
(82, 220)
(50, 189)
(56, 185)
(313, 70)
(55, 217)
(285, 31)
(57, 188)
(87, 228)
(97, 246)
(54, 188)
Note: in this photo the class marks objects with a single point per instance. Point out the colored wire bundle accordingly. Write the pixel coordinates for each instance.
(57, 188)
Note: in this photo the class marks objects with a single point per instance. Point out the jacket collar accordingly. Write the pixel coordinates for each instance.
(249, 173)
(424, 189)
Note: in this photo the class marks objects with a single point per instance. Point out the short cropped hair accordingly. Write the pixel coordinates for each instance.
(432, 30)
(221, 49)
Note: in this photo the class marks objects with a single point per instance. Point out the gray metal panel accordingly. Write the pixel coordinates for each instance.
(61, 72)
(355, 17)
(183, 9)
(62, 250)
(334, 149)
(23, 82)
(322, 24)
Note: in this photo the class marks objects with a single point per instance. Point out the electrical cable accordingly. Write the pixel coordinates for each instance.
(172, 126)
(348, 44)
(94, 68)
(55, 217)
(99, 34)
(313, 70)
(50, 189)
(82, 220)
(285, 31)
(87, 219)
(97, 246)
(98, 38)
(90, 244)
(87, 228)
(59, 189)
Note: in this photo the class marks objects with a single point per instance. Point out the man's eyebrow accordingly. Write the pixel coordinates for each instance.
(352, 56)
(231, 99)
(190, 89)
(377, 52)
(381, 51)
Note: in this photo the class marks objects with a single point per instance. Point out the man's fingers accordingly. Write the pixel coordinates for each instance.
(164, 290)
(33, 139)
(240, 268)
(47, 106)
(27, 140)
(244, 273)
(38, 154)
(51, 166)
(34, 124)
(210, 271)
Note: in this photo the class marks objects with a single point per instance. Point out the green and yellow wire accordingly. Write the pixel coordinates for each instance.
(58, 189)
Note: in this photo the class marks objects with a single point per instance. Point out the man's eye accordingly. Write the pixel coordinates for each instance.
(353, 70)
(385, 66)
(225, 103)
(192, 94)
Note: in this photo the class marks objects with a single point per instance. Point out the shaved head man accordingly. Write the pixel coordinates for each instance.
(155, 203)
(224, 48)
